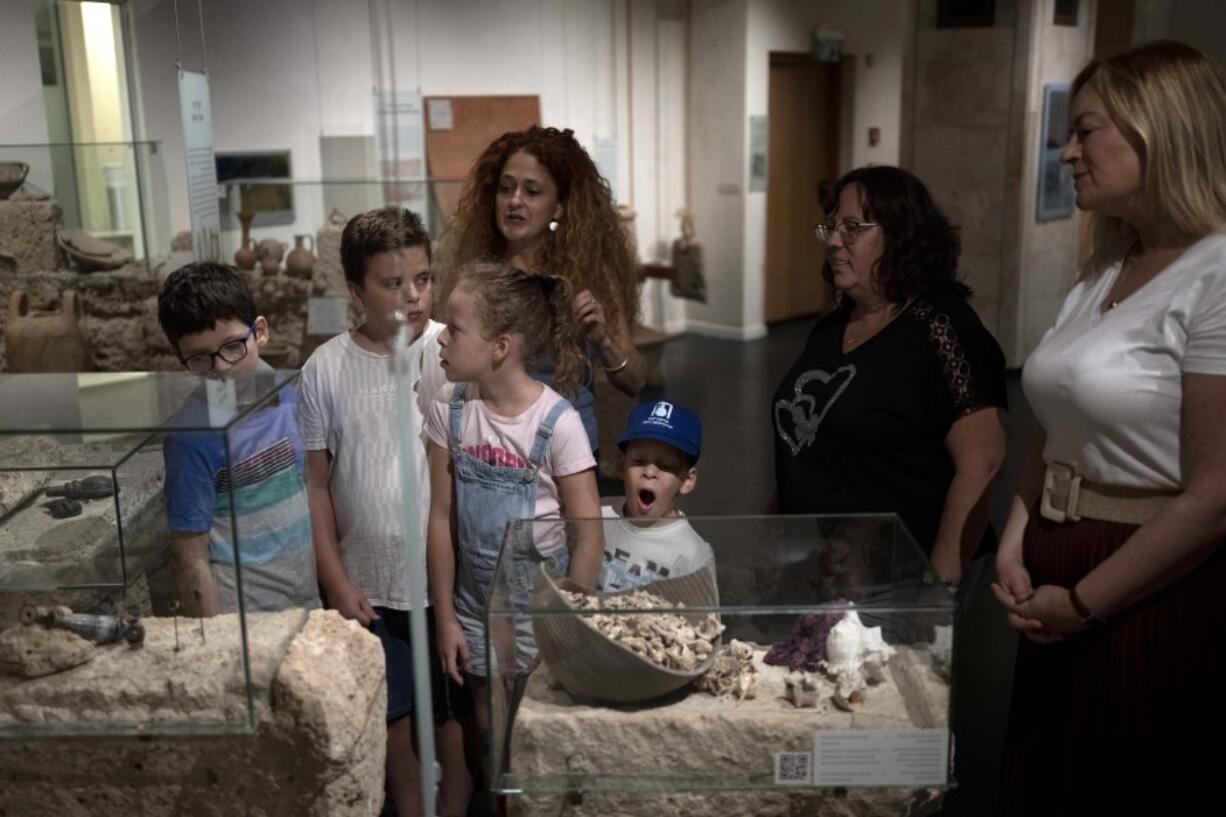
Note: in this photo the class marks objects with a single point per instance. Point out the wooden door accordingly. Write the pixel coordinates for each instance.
(803, 155)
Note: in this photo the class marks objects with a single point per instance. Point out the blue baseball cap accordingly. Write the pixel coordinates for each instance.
(665, 422)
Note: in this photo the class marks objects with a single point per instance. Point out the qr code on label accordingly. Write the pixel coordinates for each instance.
(793, 768)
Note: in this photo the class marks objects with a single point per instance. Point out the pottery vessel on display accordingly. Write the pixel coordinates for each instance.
(301, 259)
(245, 257)
(46, 341)
(12, 174)
(270, 252)
(91, 253)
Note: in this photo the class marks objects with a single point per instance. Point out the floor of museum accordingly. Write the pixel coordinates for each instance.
(729, 384)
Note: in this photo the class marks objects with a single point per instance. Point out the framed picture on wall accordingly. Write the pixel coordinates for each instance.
(1065, 13)
(1056, 194)
(966, 13)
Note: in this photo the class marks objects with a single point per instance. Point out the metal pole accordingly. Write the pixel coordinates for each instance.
(415, 544)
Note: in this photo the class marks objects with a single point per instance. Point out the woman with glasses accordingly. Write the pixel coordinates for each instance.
(1112, 562)
(896, 402)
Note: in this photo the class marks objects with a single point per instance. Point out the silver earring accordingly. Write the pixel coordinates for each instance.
(553, 225)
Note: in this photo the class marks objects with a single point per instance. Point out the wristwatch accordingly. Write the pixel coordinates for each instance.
(1087, 618)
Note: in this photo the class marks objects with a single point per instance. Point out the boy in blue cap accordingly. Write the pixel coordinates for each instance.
(652, 540)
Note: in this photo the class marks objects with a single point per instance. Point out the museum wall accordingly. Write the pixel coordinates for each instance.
(1044, 266)
(23, 116)
(978, 95)
(730, 62)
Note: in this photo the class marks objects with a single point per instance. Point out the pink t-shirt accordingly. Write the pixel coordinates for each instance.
(508, 441)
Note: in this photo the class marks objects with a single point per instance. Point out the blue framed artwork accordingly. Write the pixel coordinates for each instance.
(1056, 195)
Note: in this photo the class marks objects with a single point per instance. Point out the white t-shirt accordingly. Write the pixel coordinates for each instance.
(508, 441)
(349, 409)
(1107, 386)
(635, 555)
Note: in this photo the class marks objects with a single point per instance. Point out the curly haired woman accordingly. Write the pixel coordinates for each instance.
(535, 199)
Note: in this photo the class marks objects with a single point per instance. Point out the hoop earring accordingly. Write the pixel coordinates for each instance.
(553, 225)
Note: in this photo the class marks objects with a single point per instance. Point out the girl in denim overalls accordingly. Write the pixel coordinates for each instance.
(503, 446)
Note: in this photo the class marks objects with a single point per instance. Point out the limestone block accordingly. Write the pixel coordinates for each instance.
(698, 741)
(33, 651)
(318, 751)
(28, 235)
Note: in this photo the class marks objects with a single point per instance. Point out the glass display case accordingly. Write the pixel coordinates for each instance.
(157, 553)
(812, 655)
(282, 209)
(116, 192)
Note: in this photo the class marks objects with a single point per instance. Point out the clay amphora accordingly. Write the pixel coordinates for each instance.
(37, 341)
(245, 258)
(300, 260)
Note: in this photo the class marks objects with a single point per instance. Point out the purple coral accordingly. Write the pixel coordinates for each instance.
(806, 647)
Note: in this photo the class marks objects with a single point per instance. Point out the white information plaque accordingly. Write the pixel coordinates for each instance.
(881, 757)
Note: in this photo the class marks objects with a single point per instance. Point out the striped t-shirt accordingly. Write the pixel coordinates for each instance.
(264, 478)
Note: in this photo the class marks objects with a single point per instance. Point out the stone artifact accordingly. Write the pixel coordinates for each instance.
(33, 652)
(182, 241)
(327, 276)
(245, 257)
(855, 659)
(318, 748)
(12, 175)
(64, 508)
(96, 628)
(28, 228)
(301, 260)
(732, 674)
(98, 486)
(90, 254)
(51, 341)
(694, 742)
(803, 689)
(18, 487)
(270, 251)
(662, 638)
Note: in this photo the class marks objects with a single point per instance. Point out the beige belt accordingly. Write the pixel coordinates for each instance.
(1067, 498)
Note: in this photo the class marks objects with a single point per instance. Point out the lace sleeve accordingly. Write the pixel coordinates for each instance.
(970, 359)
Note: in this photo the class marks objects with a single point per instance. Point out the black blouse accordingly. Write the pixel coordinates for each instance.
(864, 432)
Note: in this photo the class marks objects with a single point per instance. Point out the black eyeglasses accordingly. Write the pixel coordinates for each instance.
(232, 351)
(848, 229)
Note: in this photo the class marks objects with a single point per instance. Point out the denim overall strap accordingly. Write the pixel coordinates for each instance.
(455, 415)
(540, 446)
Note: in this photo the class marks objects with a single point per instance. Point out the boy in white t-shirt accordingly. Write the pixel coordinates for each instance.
(652, 540)
(350, 428)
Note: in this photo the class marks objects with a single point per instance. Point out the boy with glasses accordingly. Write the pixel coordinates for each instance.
(210, 319)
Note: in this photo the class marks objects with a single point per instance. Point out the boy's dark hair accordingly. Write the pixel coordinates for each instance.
(196, 296)
(375, 231)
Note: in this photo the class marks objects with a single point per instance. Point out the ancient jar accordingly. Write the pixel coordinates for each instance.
(46, 341)
(299, 262)
(245, 258)
(270, 251)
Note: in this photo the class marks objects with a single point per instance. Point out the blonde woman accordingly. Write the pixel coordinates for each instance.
(1111, 562)
(535, 200)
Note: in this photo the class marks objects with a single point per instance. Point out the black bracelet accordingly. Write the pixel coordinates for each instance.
(1087, 618)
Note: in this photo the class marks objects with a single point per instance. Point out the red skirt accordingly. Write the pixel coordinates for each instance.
(1129, 715)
